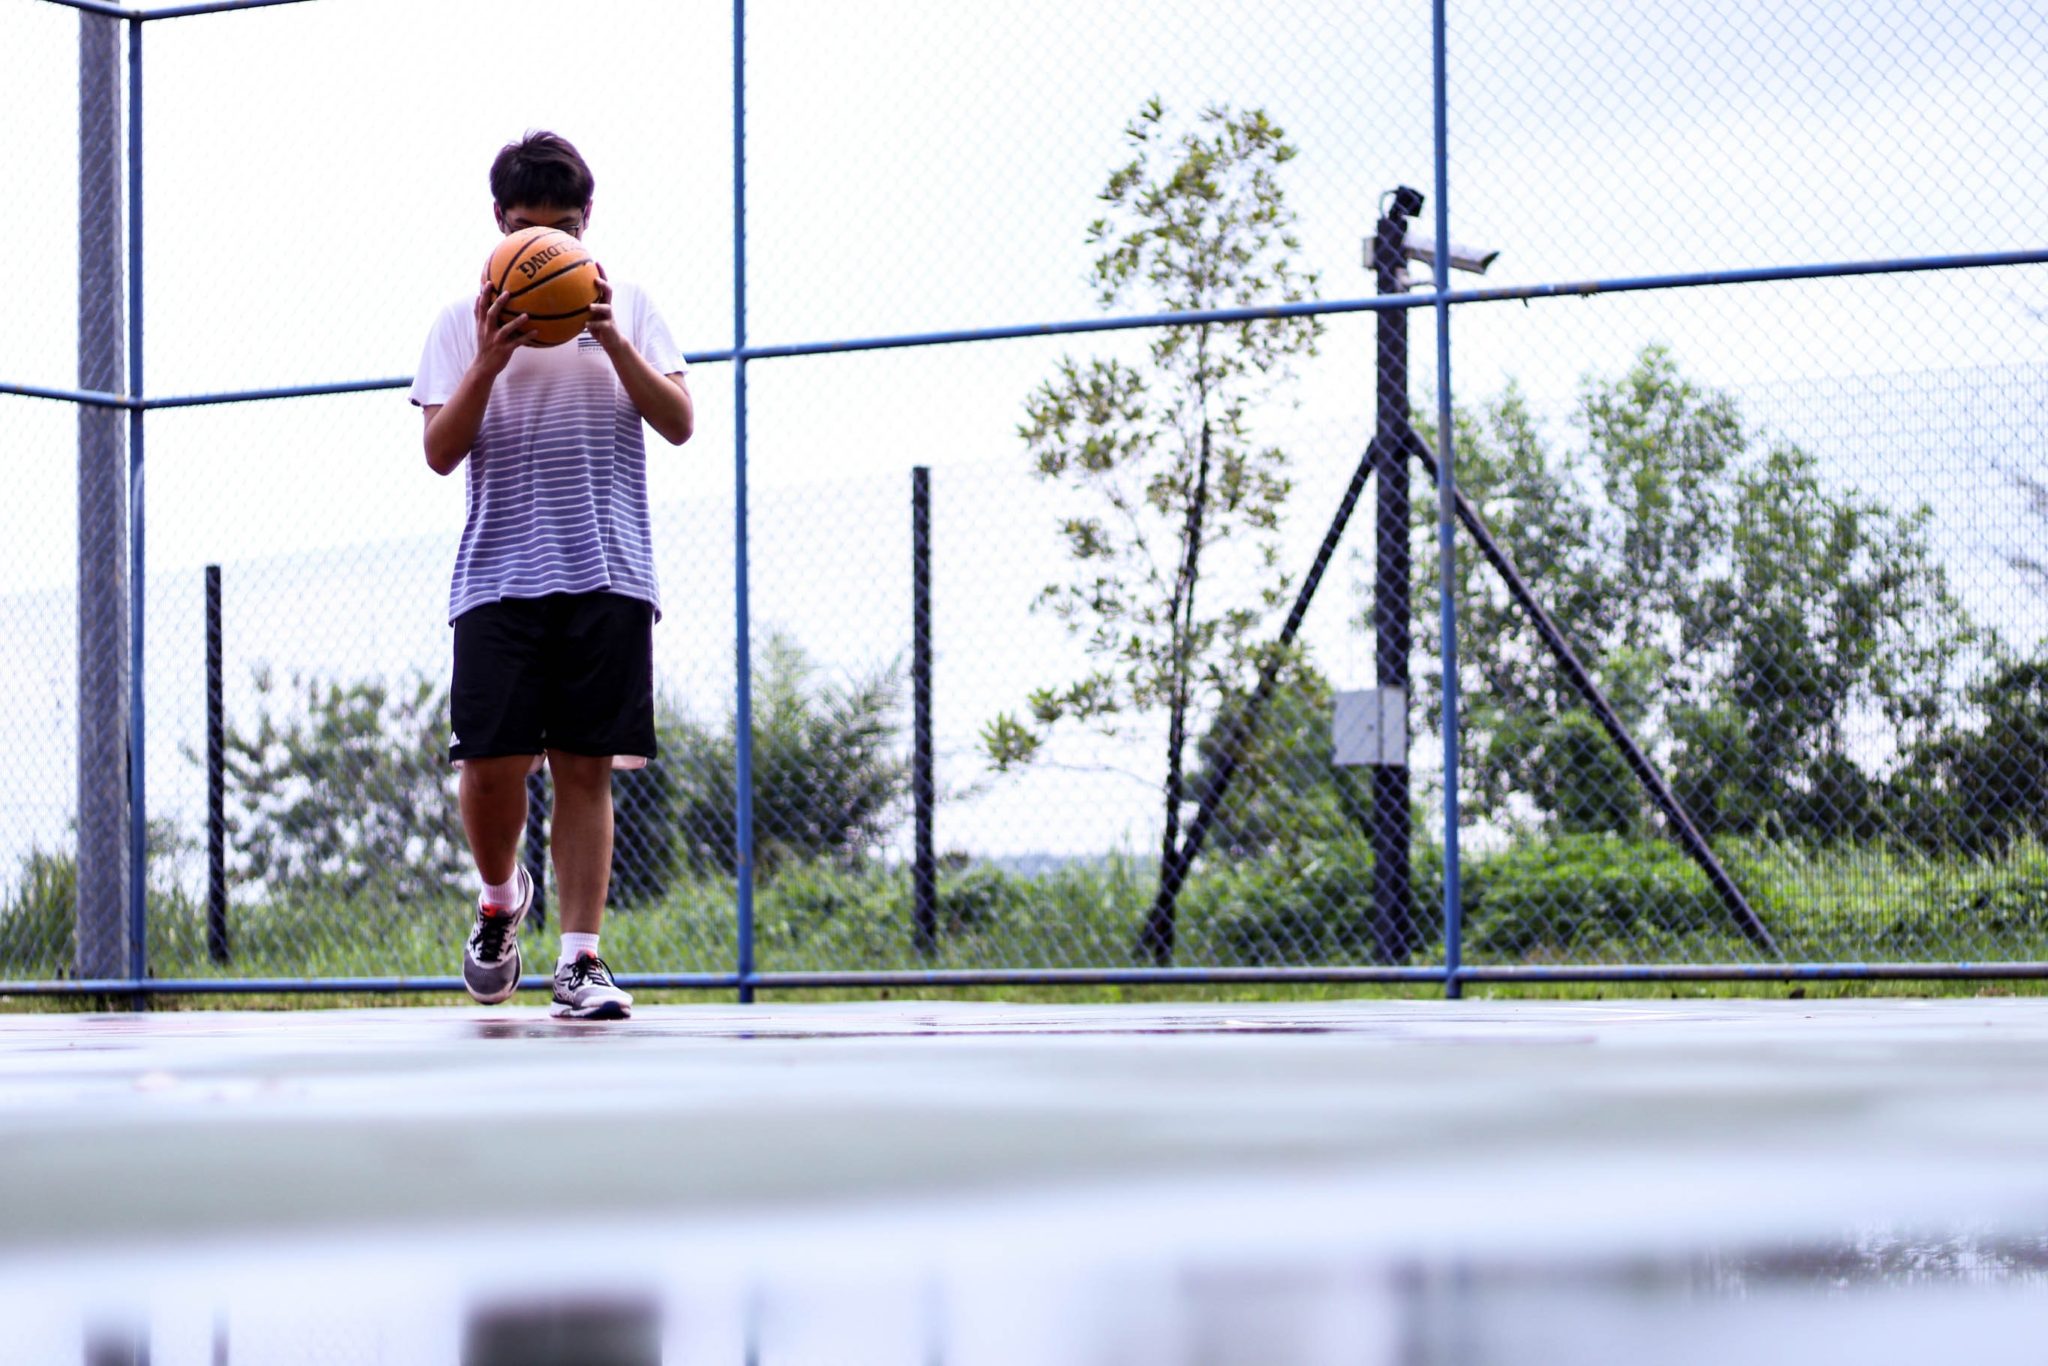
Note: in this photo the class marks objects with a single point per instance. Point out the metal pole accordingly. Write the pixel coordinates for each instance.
(925, 871)
(534, 852)
(743, 718)
(1446, 502)
(1393, 894)
(138, 574)
(216, 779)
(121, 1342)
(101, 927)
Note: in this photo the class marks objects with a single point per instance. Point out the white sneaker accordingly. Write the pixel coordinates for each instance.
(584, 990)
(491, 961)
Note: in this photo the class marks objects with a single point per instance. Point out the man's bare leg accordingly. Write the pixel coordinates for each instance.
(582, 846)
(581, 841)
(493, 800)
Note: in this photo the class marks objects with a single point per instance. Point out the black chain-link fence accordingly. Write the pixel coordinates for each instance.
(1750, 586)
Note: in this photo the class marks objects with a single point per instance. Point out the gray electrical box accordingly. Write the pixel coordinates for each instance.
(1371, 728)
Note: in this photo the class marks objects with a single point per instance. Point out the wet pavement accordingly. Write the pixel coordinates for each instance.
(1378, 1182)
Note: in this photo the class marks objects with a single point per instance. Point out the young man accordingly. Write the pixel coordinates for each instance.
(554, 595)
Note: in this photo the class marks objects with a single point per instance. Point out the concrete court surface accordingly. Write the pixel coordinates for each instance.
(1358, 1182)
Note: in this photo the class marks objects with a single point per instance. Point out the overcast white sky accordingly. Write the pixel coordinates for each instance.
(315, 190)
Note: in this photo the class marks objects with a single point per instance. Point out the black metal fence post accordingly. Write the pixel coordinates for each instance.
(925, 870)
(1393, 892)
(534, 853)
(216, 780)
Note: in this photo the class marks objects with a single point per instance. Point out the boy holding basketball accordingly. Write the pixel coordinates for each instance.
(554, 594)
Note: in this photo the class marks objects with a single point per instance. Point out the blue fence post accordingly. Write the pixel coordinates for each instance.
(743, 718)
(138, 582)
(1446, 527)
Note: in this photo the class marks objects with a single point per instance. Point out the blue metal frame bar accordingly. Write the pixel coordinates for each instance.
(1750, 275)
(743, 650)
(138, 573)
(1446, 512)
(89, 398)
(245, 986)
(1056, 977)
(103, 7)
(214, 7)
(1433, 299)
(1016, 331)
(1006, 977)
(141, 16)
(356, 386)
(1759, 972)
(1504, 294)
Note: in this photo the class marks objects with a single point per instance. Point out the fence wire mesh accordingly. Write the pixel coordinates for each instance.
(1791, 532)
(39, 716)
(40, 100)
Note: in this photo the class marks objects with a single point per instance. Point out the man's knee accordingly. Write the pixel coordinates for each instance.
(583, 773)
(497, 774)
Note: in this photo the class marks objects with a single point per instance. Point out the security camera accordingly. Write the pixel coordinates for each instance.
(1421, 247)
(1397, 207)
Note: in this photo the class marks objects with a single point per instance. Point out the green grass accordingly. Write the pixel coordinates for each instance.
(1581, 899)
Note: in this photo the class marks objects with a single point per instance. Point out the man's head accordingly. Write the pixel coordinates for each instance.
(541, 181)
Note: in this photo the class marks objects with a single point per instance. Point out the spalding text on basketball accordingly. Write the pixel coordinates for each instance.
(532, 264)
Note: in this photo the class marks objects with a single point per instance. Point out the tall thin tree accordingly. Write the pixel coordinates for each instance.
(1166, 471)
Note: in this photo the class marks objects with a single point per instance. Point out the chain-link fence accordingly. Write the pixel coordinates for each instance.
(1094, 647)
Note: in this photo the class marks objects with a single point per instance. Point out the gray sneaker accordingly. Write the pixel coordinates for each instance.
(490, 960)
(584, 990)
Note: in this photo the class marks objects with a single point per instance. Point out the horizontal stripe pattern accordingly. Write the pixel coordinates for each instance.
(557, 479)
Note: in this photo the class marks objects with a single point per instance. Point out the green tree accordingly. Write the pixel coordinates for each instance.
(1831, 607)
(1166, 472)
(1532, 743)
(1982, 783)
(829, 780)
(1739, 610)
(2034, 493)
(347, 788)
(1979, 788)
(1288, 800)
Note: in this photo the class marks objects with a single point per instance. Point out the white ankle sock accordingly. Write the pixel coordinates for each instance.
(505, 895)
(574, 946)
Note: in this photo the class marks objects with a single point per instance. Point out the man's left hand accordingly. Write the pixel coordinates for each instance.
(602, 325)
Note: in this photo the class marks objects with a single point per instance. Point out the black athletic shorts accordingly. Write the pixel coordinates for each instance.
(571, 671)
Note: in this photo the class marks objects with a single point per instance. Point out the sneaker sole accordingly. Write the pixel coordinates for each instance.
(604, 1010)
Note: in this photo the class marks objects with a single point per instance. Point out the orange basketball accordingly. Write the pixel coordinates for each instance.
(547, 275)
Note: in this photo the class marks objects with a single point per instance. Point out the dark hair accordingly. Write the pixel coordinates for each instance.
(541, 168)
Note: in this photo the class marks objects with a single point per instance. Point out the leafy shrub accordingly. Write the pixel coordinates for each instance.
(345, 788)
(828, 780)
(38, 919)
(1574, 892)
(1311, 910)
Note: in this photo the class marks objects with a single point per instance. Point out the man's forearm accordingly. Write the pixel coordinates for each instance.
(665, 405)
(453, 429)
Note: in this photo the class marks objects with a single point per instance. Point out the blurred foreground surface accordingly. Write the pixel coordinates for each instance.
(1382, 1182)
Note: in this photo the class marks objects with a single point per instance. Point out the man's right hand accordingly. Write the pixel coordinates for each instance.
(451, 427)
(497, 335)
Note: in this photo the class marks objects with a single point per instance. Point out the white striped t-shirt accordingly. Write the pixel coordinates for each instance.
(558, 474)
